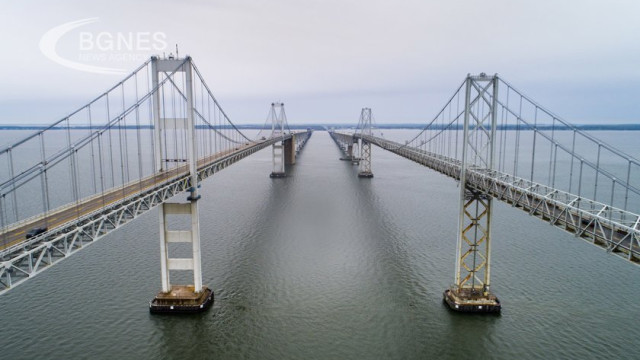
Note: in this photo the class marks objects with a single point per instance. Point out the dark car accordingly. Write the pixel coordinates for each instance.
(35, 232)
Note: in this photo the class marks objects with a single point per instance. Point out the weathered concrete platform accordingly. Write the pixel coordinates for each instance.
(182, 299)
(471, 301)
(366, 175)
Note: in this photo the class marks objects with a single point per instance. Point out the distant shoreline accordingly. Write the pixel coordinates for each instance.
(602, 127)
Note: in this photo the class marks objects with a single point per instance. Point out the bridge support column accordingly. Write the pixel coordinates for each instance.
(290, 150)
(348, 150)
(355, 153)
(364, 169)
(278, 160)
(279, 149)
(181, 298)
(470, 293)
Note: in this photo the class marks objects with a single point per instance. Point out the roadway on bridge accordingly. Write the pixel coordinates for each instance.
(588, 225)
(67, 213)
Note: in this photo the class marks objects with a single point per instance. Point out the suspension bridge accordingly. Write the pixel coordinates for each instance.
(156, 134)
(499, 144)
(160, 132)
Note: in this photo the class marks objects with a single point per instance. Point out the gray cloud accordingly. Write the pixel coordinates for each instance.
(327, 59)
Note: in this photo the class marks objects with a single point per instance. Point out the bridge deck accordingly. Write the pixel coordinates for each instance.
(56, 218)
(78, 225)
(616, 230)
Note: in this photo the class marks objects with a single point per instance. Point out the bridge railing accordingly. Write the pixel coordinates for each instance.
(552, 151)
(108, 144)
(614, 229)
(534, 144)
(58, 164)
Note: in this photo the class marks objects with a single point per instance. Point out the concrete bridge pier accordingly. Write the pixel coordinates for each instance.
(290, 150)
(348, 150)
(278, 160)
(283, 153)
(355, 153)
(179, 298)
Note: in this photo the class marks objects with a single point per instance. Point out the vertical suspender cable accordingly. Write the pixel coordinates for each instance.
(101, 168)
(45, 180)
(126, 143)
(93, 157)
(119, 124)
(13, 186)
(138, 145)
(595, 186)
(517, 145)
(113, 179)
(533, 151)
(573, 152)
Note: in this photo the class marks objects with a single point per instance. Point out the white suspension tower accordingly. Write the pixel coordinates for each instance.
(178, 298)
(278, 121)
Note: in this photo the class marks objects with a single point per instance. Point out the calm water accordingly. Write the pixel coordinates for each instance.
(323, 265)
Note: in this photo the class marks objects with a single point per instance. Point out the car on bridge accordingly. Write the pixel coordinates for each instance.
(35, 232)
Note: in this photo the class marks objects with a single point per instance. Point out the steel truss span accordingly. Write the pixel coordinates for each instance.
(615, 230)
(499, 144)
(101, 151)
(26, 260)
(520, 153)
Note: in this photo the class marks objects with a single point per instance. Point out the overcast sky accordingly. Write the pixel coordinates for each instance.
(326, 59)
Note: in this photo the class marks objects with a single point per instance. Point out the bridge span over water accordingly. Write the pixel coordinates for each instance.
(160, 131)
(499, 144)
(156, 134)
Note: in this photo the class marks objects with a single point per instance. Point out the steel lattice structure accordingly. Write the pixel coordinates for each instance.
(499, 144)
(364, 125)
(164, 105)
(551, 189)
(614, 229)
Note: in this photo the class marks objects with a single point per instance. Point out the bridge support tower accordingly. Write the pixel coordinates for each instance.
(355, 153)
(279, 149)
(364, 168)
(179, 298)
(471, 290)
(290, 150)
(348, 150)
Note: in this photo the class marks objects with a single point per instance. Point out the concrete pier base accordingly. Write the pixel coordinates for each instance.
(278, 175)
(365, 174)
(471, 301)
(182, 299)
